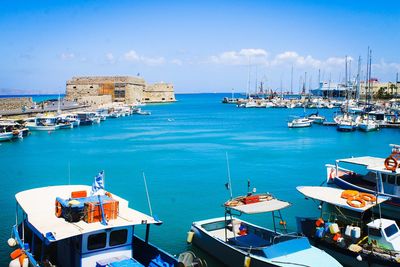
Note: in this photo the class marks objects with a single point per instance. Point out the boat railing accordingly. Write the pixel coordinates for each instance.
(32, 260)
(278, 238)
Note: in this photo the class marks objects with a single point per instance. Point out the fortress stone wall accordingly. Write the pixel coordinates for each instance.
(127, 89)
(15, 103)
(159, 92)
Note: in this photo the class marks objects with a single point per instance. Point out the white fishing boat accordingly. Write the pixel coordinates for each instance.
(81, 230)
(347, 230)
(370, 174)
(316, 118)
(367, 124)
(345, 123)
(73, 119)
(236, 242)
(42, 123)
(299, 123)
(6, 132)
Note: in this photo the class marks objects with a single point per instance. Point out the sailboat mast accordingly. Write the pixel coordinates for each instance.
(366, 78)
(291, 82)
(369, 74)
(358, 79)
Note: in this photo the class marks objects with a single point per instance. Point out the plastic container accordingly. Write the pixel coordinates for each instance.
(356, 232)
(334, 228)
(347, 232)
(320, 232)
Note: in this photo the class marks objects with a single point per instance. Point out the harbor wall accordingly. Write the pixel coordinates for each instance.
(127, 89)
(15, 103)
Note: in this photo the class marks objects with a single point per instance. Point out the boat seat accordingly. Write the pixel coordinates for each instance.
(119, 262)
(249, 240)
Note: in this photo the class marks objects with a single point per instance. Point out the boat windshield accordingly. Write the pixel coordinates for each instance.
(391, 230)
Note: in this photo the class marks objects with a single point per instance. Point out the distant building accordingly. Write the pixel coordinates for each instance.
(127, 89)
(329, 89)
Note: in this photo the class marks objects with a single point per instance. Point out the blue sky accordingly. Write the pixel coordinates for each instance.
(199, 46)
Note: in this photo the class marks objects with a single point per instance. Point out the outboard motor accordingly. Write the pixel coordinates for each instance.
(189, 259)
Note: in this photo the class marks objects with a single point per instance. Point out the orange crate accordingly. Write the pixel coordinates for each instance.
(92, 211)
(79, 194)
(251, 199)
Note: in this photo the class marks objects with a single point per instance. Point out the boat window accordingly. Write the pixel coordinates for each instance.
(384, 178)
(398, 180)
(391, 179)
(374, 232)
(97, 241)
(118, 237)
(390, 230)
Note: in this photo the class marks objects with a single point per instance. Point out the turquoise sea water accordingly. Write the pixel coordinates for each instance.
(181, 148)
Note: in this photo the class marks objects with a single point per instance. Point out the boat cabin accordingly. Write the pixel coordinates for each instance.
(384, 233)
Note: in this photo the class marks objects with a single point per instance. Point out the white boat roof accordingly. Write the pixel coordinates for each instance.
(371, 163)
(333, 196)
(364, 161)
(39, 205)
(378, 223)
(262, 206)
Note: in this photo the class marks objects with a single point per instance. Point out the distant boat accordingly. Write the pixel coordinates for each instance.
(236, 242)
(42, 123)
(345, 123)
(367, 124)
(299, 123)
(316, 118)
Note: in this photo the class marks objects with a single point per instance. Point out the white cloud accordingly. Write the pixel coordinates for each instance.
(150, 61)
(67, 56)
(242, 57)
(177, 62)
(110, 58)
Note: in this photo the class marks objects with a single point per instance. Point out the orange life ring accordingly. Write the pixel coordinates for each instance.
(349, 194)
(232, 203)
(367, 197)
(58, 209)
(391, 163)
(361, 202)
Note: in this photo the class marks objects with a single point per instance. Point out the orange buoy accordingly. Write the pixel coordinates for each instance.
(367, 197)
(356, 202)
(349, 194)
(319, 222)
(16, 253)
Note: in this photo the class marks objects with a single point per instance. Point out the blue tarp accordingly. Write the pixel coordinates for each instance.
(287, 247)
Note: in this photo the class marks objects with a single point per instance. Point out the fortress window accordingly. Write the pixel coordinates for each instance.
(118, 237)
(163, 98)
(74, 87)
(97, 241)
(91, 86)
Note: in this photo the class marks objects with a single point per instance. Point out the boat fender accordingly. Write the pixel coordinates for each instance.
(336, 237)
(319, 222)
(247, 261)
(16, 253)
(359, 258)
(12, 242)
(190, 235)
(334, 229)
(108, 194)
(58, 209)
(14, 263)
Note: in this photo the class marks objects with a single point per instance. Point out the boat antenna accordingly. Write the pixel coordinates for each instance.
(229, 185)
(147, 194)
(69, 172)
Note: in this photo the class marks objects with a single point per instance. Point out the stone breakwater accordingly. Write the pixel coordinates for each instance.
(15, 103)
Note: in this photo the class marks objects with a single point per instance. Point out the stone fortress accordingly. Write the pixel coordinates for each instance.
(97, 90)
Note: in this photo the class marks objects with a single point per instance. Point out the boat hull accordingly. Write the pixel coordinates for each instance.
(43, 128)
(6, 136)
